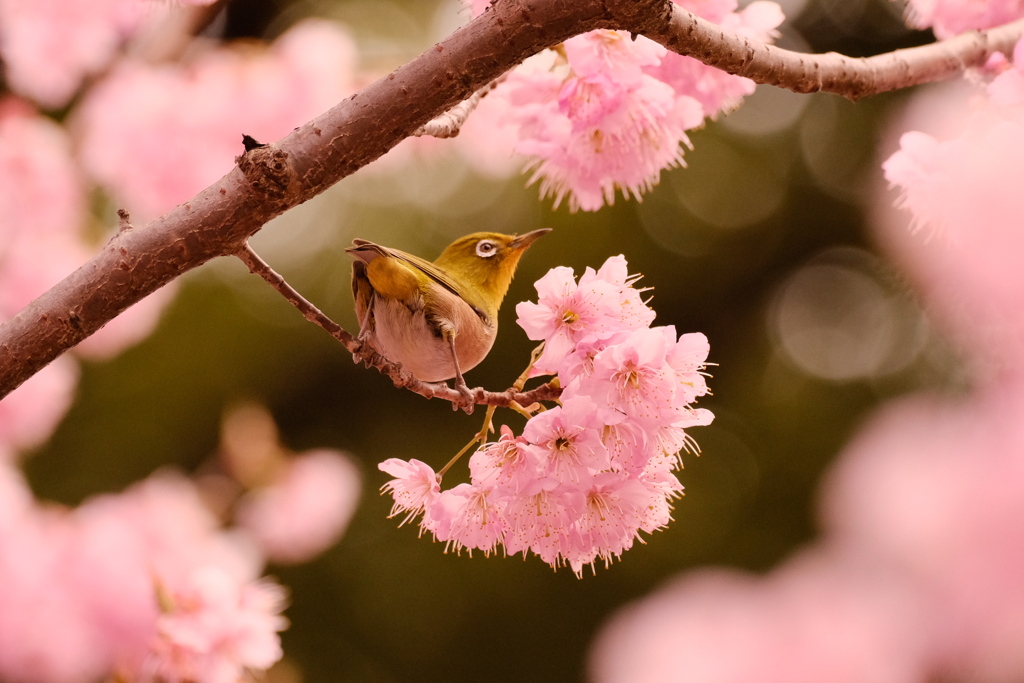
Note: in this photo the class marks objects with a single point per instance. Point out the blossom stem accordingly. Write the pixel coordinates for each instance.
(477, 438)
(448, 124)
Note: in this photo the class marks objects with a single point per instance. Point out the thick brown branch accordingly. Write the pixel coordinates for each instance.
(364, 352)
(270, 180)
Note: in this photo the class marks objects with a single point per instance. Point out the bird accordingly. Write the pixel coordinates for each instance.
(438, 320)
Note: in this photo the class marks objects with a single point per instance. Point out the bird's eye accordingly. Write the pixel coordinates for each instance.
(486, 248)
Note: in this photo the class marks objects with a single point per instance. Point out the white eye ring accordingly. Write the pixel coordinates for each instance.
(486, 248)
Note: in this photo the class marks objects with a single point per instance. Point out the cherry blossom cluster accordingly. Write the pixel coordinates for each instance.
(588, 475)
(148, 585)
(920, 573)
(606, 112)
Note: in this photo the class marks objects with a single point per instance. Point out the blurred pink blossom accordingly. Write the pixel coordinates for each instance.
(41, 190)
(960, 182)
(30, 413)
(214, 629)
(587, 476)
(156, 135)
(936, 489)
(83, 587)
(47, 632)
(815, 619)
(950, 17)
(42, 201)
(49, 46)
(305, 509)
(15, 496)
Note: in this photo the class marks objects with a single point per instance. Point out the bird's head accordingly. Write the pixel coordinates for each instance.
(486, 262)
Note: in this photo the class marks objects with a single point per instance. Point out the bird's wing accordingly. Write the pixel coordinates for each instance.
(359, 247)
(362, 293)
(366, 251)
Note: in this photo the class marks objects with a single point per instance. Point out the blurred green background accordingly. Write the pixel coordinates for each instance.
(761, 243)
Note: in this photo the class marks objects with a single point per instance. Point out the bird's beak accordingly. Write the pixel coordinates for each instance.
(523, 241)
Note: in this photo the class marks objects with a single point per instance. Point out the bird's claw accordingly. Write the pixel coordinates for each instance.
(466, 402)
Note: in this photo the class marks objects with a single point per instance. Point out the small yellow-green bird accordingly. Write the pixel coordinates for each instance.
(437, 319)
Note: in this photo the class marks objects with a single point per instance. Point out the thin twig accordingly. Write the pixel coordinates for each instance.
(258, 266)
(448, 124)
(364, 353)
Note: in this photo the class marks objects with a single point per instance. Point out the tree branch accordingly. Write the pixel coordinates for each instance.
(270, 180)
(367, 355)
(851, 77)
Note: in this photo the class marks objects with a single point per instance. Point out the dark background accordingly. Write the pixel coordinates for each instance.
(781, 184)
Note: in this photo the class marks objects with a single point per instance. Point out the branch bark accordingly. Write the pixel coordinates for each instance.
(270, 180)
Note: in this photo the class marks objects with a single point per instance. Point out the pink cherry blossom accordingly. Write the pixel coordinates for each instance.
(570, 314)
(508, 463)
(633, 377)
(305, 510)
(569, 439)
(716, 91)
(466, 516)
(600, 135)
(82, 585)
(540, 520)
(15, 496)
(414, 487)
(1007, 88)
(43, 201)
(213, 629)
(950, 17)
(617, 506)
(46, 633)
(41, 187)
(688, 357)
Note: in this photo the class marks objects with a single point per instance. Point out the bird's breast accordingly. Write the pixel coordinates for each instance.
(407, 336)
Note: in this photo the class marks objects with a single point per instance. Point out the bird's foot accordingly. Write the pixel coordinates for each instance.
(466, 401)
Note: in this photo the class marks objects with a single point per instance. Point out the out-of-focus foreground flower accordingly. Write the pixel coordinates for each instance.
(149, 584)
(920, 574)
